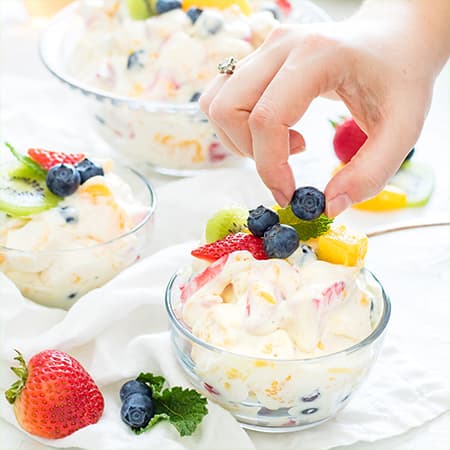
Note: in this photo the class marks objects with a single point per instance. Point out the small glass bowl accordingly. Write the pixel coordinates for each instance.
(170, 138)
(270, 394)
(59, 278)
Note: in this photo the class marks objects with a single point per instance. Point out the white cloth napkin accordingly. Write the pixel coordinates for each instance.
(120, 329)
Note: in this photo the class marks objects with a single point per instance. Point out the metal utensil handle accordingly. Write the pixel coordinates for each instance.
(409, 226)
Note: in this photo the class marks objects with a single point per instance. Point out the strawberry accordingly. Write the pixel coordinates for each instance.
(285, 6)
(348, 139)
(54, 395)
(203, 278)
(229, 244)
(48, 158)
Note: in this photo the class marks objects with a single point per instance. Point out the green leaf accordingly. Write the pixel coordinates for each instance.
(155, 382)
(154, 420)
(27, 162)
(183, 408)
(306, 229)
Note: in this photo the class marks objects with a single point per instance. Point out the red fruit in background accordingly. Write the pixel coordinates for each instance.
(54, 395)
(348, 139)
(48, 158)
(229, 244)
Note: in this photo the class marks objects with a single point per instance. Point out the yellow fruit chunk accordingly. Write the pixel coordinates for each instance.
(95, 188)
(341, 246)
(388, 199)
(219, 4)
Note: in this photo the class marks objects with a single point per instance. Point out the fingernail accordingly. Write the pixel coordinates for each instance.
(281, 199)
(338, 204)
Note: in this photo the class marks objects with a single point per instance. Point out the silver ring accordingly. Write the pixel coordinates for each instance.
(228, 66)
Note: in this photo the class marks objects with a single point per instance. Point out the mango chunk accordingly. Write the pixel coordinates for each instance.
(342, 246)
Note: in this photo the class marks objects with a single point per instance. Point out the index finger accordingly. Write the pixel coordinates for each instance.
(282, 104)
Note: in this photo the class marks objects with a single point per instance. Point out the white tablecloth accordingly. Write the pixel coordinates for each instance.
(36, 109)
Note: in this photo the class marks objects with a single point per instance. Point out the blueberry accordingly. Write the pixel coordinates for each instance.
(310, 410)
(163, 6)
(311, 397)
(409, 155)
(308, 203)
(63, 180)
(280, 241)
(272, 8)
(211, 22)
(195, 97)
(134, 387)
(88, 169)
(137, 410)
(133, 59)
(194, 14)
(261, 219)
(69, 214)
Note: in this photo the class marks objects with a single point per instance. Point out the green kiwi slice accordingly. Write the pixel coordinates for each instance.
(22, 193)
(225, 222)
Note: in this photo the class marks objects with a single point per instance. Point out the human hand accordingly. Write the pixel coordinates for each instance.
(384, 77)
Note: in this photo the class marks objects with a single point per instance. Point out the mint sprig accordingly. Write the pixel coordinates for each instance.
(306, 229)
(26, 161)
(183, 408)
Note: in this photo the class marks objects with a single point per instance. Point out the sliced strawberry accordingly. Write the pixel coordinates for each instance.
(230, 244)
(202, 278)
(48, 158)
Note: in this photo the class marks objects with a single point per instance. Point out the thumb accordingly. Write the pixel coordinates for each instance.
(366, 174)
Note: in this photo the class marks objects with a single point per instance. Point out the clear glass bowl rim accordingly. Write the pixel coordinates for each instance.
(136, 228)
(372, 337)
(45, 43)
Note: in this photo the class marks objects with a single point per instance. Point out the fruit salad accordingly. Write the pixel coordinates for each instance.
(68, 224)
(165, 51)
(280, 294)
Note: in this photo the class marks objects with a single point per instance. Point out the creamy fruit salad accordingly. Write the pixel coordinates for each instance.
(66, 225)
(165, 51)
(281, 294)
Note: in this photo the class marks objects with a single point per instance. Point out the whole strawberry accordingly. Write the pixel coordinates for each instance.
(348, 139)
(54, 395)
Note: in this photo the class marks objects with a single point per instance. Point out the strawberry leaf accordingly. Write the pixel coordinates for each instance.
(27, 162)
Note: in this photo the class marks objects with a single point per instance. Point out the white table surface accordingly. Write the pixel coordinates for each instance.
(19, 59)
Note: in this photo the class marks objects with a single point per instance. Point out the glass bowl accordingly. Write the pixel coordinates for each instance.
(58, 278)
(270, 394)
(170, 138)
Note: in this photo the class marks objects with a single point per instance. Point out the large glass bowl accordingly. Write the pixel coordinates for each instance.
(59, 278)
(270, 394)
(170, 138)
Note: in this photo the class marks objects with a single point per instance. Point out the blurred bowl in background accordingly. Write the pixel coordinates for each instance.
(173, 138)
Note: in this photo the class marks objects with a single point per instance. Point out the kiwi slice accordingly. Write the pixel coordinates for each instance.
(22, 193)
(416, 180)
(225, 222)
(139, 9)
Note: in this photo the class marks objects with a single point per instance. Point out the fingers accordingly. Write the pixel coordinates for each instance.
(282, 104)
(229, 99)
(367, 173)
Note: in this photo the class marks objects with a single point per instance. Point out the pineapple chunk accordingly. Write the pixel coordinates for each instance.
(341, 246)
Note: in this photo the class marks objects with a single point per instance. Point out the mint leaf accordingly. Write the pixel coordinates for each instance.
(306, 229)
(153, 421)
(183, 408)
(155, 382)
(26, 161)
